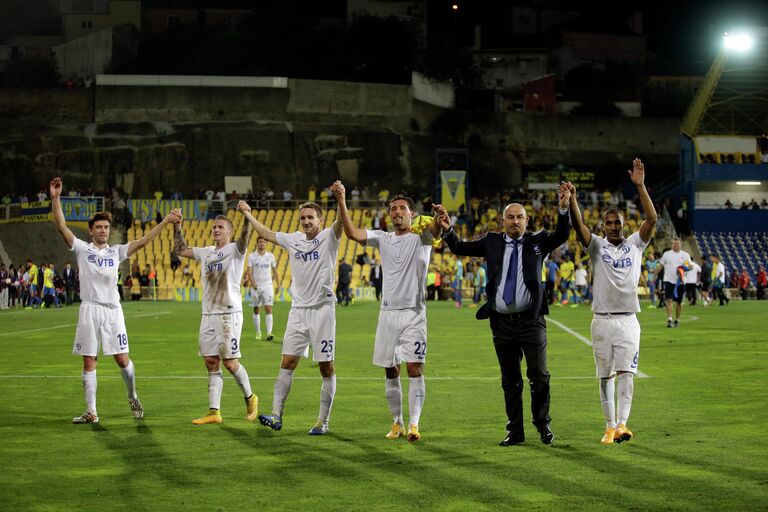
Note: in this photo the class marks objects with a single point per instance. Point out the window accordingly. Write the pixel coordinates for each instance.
(86, 24)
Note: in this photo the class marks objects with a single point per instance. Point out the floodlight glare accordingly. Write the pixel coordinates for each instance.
(737, 42)
(748, 183)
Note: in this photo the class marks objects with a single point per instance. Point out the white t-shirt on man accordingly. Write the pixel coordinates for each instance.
(616, 273)
(404, 261)
(98, 272)
(313, 265)
(671, 260)
(221, 272)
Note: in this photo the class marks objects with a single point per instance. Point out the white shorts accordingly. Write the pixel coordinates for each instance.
(97, 324)
(262, 297)
(315, 326)
(220, 335)
(615, 344)
(401, 336)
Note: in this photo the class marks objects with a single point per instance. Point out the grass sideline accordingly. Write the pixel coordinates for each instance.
(697, 421)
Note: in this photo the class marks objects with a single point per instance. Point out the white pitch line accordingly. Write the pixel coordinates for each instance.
(62, 326)
(201, 377)
(584, 340)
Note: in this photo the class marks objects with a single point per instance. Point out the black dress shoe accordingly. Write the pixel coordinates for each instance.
(546, 434)
(512, 439)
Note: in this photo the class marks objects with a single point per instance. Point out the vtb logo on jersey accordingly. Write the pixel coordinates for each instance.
(214, 267)
(618, 263)
(308, 256)
(101, 262)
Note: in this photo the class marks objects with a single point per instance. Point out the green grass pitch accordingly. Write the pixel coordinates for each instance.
(699, 420)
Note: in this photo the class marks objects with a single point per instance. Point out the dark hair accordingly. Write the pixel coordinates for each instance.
(314, 206)
(99, 216)
(615, 212)
(402, 197)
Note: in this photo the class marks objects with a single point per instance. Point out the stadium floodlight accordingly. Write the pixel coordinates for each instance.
(748, 183)
(740, 42)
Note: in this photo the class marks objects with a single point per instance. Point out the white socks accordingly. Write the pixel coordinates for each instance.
(282, 388)
(215, 385)
(625, 389)
(416, 391)
(268, 319)
(89, 388)
(394, 395)
(606, 397)
(327, 392)
(257, 323)
(128, 377)
(241, 377)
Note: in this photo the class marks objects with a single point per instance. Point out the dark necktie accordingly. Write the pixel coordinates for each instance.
(510, 285)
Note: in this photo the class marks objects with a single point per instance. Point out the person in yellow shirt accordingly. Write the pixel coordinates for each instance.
(48, 288)
(567, 269)
(33, 270)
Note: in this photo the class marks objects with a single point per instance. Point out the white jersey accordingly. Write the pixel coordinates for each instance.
(98, 272)
(261, 268)
(671, 260)
(616, 273)
(221, 272)
(313, 265)
(404, 262)
(692, 276)
(720, 274)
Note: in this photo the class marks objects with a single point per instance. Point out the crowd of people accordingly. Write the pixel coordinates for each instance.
(35, 286)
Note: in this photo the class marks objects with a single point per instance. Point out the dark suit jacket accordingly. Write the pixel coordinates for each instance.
(536, 246)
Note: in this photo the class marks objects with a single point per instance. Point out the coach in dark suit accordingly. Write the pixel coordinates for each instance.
(70, 283)
(516, 307)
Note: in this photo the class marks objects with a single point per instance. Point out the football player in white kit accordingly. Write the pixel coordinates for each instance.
(261, 272)
(617, 264)
(100, 320)
(312, 320)
(401, 334)
(221, 269)
(673, 262)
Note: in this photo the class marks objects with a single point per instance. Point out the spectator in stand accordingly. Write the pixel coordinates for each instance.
(355, 197)
(764, 204)
(287, 197)
(744, 206)
(42, 196)
(221, 196)
(762, 283)
(158, 195)
(745, 283)
(312, 194)
(383, 197)
(728, 204)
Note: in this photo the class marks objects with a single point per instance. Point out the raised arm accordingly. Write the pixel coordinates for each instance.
(58, 214)
(179, 244)
(172, 217)
(637, 175)
(582, 231)
(436, 226)
(245, 232)
(353, 233)
(263, 231)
